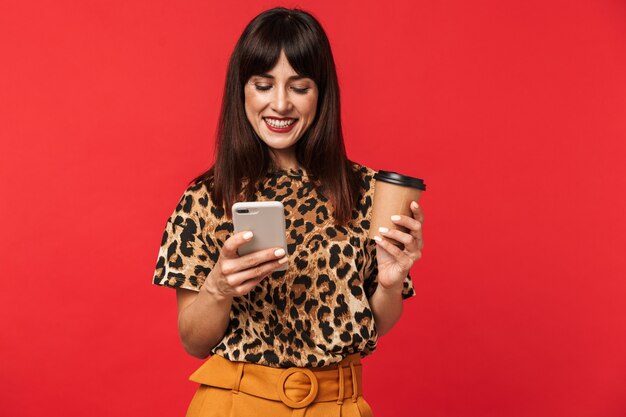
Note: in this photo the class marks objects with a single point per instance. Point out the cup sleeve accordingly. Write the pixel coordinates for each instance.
(371, 273)
(185, 256)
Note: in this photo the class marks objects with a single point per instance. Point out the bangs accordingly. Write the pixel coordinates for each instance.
(261, 49)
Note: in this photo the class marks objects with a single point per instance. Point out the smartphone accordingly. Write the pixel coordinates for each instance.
(266, 220)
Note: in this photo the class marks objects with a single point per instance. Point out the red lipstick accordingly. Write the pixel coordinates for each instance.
(280, 129)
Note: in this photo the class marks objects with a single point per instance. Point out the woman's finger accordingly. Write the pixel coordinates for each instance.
(241, 263)
(417, 212)
(418, 238)
(401, 257)
(412, 244)
(406, 239)
(248, 285)
(406, 221)
(414, 226)
(229, 250)
(238, 278)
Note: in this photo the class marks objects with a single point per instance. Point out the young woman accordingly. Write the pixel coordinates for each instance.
(284, 342)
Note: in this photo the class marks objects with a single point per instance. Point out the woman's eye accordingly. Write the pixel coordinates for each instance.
(298, 90)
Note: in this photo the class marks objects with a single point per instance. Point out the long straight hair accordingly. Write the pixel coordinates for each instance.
(241, 156)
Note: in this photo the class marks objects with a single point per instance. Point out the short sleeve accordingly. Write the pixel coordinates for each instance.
(185, 259)
(371, 273)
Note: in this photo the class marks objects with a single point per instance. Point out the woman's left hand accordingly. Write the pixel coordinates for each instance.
(394, 263)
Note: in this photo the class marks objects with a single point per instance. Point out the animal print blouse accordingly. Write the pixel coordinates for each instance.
(311, 315)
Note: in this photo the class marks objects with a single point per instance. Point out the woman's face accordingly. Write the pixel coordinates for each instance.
(280, 106)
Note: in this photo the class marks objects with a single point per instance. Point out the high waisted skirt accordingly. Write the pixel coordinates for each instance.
(238, 389)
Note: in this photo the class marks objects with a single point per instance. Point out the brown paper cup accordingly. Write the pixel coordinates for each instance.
(393, 194)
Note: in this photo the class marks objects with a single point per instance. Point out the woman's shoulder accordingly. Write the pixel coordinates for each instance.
(363, 169)
(366, 173)
(197, 197)
(199, 188)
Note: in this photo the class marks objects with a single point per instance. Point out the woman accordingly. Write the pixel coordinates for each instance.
(284, 342)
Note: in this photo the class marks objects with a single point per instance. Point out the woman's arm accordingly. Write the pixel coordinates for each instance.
(386, 305)
(394, 265)
(202, 319)
(203, 316)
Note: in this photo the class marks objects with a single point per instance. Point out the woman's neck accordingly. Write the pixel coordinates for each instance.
(285, 161)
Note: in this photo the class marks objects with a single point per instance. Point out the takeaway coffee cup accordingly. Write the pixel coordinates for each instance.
(393, 194)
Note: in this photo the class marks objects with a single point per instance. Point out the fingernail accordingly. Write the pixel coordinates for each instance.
(395, 217)
(414, 204)
(378, 239)
(383, 229)
(283, 260)
(247, 235)
(279, 252)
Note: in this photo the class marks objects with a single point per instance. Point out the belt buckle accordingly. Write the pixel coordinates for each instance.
(306, 400)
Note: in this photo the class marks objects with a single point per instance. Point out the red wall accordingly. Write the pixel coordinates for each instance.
(513, 112)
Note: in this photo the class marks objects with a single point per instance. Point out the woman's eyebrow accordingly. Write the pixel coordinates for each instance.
(292, 78)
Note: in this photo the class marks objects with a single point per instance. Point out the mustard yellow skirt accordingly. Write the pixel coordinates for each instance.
(238, 389)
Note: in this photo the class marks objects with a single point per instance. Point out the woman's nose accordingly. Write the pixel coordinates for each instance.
(280, 100)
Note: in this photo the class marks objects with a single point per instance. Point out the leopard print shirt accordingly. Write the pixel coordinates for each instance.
(312, 315)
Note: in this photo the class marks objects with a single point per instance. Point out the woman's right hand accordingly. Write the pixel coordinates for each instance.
(235, 275)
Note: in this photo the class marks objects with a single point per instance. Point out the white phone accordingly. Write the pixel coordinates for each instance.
(266, 220)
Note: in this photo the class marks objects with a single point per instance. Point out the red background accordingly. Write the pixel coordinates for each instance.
(513, 112)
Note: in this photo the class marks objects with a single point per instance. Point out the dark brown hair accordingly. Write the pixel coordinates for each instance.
(241, 154)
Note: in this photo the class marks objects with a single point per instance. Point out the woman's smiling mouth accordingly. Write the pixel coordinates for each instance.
(279, 125)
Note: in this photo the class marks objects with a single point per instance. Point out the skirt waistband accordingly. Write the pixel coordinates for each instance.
(296, 387)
